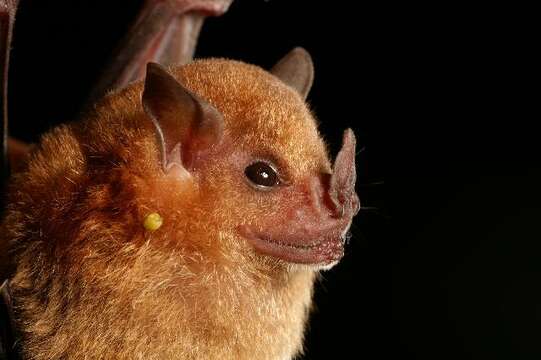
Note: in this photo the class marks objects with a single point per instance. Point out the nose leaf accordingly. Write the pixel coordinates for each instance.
(342, 184)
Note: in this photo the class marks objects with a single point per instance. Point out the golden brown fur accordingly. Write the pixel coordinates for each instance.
(91, 282)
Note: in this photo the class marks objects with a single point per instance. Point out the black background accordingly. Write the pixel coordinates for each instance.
(448, 266)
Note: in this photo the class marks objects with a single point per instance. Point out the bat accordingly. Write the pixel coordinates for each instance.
(184, 216)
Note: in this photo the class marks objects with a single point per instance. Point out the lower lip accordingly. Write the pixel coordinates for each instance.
(318, 253)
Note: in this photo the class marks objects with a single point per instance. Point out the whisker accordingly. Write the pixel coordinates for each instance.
(372, 184)
(369, 208)
(355, 232)
(360, 150)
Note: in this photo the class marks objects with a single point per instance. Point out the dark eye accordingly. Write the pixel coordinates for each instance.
(262, 174)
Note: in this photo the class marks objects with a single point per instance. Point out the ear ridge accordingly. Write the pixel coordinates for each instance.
(185, 124)
(296, 69)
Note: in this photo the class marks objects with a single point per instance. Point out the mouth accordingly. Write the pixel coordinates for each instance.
(296, 248)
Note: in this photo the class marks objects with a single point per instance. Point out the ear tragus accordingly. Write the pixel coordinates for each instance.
(185, 124)
(296, 69)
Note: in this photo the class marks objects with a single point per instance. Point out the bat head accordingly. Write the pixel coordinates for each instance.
(245, 142)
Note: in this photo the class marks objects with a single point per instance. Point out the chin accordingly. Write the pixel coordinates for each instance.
(293, 267)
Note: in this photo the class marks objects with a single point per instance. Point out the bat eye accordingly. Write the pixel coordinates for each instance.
(262, 174)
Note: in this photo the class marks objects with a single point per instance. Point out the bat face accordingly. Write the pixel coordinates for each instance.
(302, 224)
(264, 175)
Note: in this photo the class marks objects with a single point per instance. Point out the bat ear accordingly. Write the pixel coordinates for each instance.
(186, 125)
(296, 69)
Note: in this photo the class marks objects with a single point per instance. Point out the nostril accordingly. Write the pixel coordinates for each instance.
(348, 206)
(328, 197)
(339, 202)
(336, 208)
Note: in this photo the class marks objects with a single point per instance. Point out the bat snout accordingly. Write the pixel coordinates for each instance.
(304, 236)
